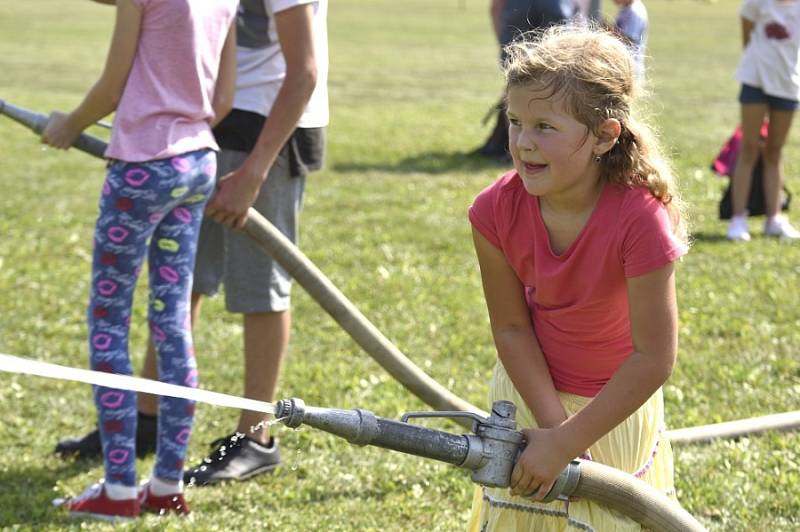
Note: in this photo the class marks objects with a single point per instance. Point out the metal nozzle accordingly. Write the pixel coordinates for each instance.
(290, 411)
(490, 453)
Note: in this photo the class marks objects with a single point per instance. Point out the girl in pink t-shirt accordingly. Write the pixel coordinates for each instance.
(169, 75)
(576, 247)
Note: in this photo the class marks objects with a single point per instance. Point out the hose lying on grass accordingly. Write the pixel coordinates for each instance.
(736, 429)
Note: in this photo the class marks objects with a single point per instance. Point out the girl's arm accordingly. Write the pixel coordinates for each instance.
(654, 330)
(747, 28)
(63, 129)
(226, 78)
(514, 338)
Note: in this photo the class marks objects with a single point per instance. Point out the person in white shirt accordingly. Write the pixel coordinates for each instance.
(769, 72)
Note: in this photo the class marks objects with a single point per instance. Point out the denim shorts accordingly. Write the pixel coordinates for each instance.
(750, 94)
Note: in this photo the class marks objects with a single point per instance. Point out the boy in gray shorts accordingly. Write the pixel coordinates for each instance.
(256, 286)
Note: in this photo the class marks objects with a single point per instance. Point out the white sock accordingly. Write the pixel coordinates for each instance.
(161, 488)
(119, 492)
(739, 217)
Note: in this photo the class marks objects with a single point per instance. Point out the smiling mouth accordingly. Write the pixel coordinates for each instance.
(534, 168)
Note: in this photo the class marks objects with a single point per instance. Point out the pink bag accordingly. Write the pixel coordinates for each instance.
(725, 162)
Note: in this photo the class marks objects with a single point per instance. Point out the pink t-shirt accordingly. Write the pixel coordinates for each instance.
(166, 108)
(578, 300)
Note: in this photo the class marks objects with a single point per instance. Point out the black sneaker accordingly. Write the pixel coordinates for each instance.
(89, 446)
(235, 457)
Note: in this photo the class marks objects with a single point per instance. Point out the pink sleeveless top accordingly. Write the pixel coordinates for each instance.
(165, 107)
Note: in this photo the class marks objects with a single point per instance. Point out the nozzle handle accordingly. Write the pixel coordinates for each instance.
(443, 413)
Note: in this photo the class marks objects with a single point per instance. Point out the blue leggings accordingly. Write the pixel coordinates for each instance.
(154, 209)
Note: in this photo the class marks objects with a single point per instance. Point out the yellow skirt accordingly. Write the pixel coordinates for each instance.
(637, 446)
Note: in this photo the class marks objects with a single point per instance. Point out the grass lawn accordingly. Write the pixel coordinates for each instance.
(386, 221)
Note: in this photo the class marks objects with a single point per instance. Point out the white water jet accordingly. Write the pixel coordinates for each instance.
(26, 366)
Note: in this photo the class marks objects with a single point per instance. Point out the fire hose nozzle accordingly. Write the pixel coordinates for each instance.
(290, 411)
(490, 453)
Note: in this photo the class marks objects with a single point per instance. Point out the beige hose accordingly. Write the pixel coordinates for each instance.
(734, 429)
(634, 498)
(352, 321)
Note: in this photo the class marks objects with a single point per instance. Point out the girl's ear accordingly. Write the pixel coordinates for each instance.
(607, 134)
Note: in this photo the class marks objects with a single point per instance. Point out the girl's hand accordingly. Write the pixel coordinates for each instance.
(59, 132)
(540, 464)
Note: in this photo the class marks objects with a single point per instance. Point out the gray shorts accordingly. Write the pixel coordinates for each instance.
(253, 281)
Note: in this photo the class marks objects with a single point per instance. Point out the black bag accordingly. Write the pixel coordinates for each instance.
(755, 202)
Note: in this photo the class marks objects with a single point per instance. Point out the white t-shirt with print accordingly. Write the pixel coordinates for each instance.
(771, 60)
(260, 65)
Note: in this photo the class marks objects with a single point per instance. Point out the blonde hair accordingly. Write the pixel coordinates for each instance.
(592, 70)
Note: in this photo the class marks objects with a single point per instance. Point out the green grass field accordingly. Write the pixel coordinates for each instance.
(386, 221)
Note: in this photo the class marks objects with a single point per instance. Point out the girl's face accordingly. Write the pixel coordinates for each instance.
(553, 153)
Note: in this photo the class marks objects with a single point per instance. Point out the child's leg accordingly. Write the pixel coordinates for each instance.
(780, 122)
(752, 117)
(120, 244)
(171, 262)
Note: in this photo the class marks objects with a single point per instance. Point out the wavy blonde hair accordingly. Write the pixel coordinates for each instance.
(592, 71)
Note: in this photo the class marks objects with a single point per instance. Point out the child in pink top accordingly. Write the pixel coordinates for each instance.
(170, 76)
(576, 247)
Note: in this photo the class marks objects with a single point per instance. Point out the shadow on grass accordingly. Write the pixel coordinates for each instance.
(27, 493)
(430, 163)
(710, 238)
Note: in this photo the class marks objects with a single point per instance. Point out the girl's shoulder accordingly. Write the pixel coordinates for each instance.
(634, 198)
(642, 214)
(509, 181)
(497, 204)
(504, 187)
(634, 207)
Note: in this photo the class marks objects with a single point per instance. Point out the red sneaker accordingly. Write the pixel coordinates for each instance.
(96, 504)
(162, 505)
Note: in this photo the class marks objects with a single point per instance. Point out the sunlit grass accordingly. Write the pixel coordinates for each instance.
(386, 221)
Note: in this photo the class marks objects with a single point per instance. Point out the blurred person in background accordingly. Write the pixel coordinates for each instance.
(510, 19)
